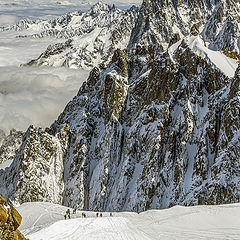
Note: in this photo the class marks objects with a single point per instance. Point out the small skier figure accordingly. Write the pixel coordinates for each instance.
(111, 214)
(97, 214)
(68, 213)
(82, 214)
(74, 211)
(100, 214)
(65, 216)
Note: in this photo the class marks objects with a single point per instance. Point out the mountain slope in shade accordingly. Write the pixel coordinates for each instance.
(9, 146)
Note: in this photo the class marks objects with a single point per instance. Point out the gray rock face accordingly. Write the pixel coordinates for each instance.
(149, 130)
(159, 20)
(2, 136)
(10, 144)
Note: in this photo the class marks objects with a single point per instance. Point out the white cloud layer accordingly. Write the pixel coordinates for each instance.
(32, 95)
(16, 51)
(7, 19)
(35, 95)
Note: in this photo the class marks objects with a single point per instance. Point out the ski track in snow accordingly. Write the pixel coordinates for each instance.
(44, 221)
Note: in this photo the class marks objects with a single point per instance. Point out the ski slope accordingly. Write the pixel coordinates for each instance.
(45, 221)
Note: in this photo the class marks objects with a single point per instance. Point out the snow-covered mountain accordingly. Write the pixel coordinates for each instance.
(151, 129)
(92, 36)
(107, 28)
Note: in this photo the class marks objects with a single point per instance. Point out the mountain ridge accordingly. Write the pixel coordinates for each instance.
(151, 128)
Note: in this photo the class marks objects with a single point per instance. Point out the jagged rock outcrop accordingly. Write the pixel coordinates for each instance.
(10, 220)
(39, 164)
(152, 142)
(2, 136)
(151, 129)
(159, 20)
(10, 144)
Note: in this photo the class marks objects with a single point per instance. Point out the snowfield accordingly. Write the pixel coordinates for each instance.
(45, 221)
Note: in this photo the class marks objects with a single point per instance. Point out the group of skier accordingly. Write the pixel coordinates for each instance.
(84, 215)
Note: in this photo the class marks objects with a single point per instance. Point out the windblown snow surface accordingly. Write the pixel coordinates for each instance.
(43, 221)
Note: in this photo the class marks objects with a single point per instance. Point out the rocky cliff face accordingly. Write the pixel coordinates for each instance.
(39, 167)
(9, 145)
(149, 130)
(10, 220)
(159, 20)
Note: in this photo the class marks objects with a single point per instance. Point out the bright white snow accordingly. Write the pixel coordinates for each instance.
(5, 164)
(45, 221)
(227, 65)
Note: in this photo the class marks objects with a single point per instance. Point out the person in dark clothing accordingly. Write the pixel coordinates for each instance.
(65, 216)
(97, 214)
(100, 214)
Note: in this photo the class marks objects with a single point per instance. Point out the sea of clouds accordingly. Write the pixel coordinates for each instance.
(35, 95)
(32, 95)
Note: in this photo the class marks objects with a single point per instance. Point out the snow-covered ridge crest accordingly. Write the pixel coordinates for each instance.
(226, 64)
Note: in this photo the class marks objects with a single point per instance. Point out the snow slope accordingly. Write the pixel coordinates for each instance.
(45, 221)
(227, 65)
